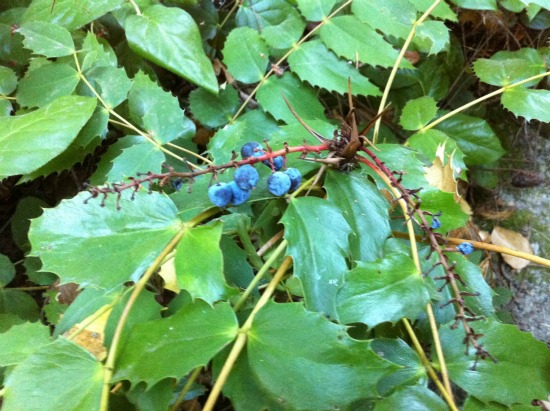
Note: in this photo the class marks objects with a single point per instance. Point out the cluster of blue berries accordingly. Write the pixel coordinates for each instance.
(246, 178)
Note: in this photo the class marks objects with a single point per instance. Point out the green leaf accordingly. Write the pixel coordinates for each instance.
(412, 398)
(432, 37)
(314, 63)
(18, 303)
(211, 110)
(391, 17)
(166, 124)
(434, 200)
(301, 97)
(41, 130)
(364, 209)
(47, 83)
(7, 270)
(475, 137)
(521, 358)
(225, 141)
(70, 14)
(47, 39)
(354, 40)
(65, 377)
(113, 246)
(190, 337)
(319, 260)
(286, 340)
(279, 23)
(473, 404)
(169, 37)
(20, 341)
(477, 4)
(139, 158)
(418, 112)
(5, 107)
(442, 11)
(246, 55)
(316, 10)
(155, 398)
(8, 80)
(387, 289)
(527, 103)
(111, 83)
(199, 264)
(481, 304)
(96, 52)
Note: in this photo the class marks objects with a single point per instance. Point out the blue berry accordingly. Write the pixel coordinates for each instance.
(177, 184)
(278, 163)
(465, 248)
(239, 195)
(278, 183)
(295, 178)
(252, 149)
(436, 223)
(220, 194)
(246, 177)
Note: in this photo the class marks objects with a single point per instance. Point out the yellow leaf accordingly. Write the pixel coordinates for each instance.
(510, 239)
(91, 335)
(168, 273)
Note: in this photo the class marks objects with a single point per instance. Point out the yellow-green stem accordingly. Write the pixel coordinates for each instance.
(186, 388)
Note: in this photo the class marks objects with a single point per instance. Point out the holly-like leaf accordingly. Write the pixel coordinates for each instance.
(319, 260)
(47, 39)
(22, 340)
(246, 55)
(42, 131)
(432, 37)
(442, 11)
(412, 398)
(173, 346)
(111, 83)
(391, 17)
(74, 386)
(520, 358)
(473, 404)
(139, 158)
(169, 37)
(211, 110)
(316, 10)
(46, 83)
(157, 111)
(384, 290)
(199, 264)
(113, 246)
(316, 64)
(418, 112)
(8, 80)
(225, 141)
(527, 103)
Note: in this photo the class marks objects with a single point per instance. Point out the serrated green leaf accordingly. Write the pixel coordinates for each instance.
(316, 10)
(412, 398)
(7, 270)
(482, 304)
(45, 84)
(246, 55)
(20, 341)
(354, 40)
(418, 112)
(155, 398)
(225, 141)
(287, 340)
(527, 103)
(434, 77)
(301, 97)
(211, 110)
(279, 23)
(166, 124)
(8, 80)
(113, 246)
(432, 37)
(473, 404)
(169, 37)
(70, 14)
(397, 157)
(41, 130)
(139, 158)
(193, 335)
(18, 303)
(316, 64)
(199, 264)
(435, 201)
(442, 11)
(391, 17)
(65, 376)
(111, 83)
(476, 4)
(96, 52)
(521, 358)
(364, 209)
(384, 290)
(319, 260)
(47, 39)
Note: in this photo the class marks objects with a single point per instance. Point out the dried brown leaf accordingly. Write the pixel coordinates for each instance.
(511, 239)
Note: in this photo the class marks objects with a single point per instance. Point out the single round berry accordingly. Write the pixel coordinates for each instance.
(295, 178)
(465, 248)
(177, 184)
(239, 195)
(220, 194)
(246, 177)
(278, 163)
(252, 149)
(436, 223)
(278, 183)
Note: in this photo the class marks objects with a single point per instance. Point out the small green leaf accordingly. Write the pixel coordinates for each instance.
(169, 37)
(139, 158)
(65, 377)
(476, 4)
(482, 303)
(432, 37)
(113, 246)
(442, 11)
(155, 398)
(47, 39)
(434, 200)
(199, 264)
(527, 103)
(20, 341)
(42, 131)
(211, 110)
(384, 290)
(412, 398)
(473, 404)
(246, 55)
(166, 124)
(46, 83)
(391, 17)
(96, 52)
(8, 80)
(319, 260)
(188, 339)
(7, 270)
(111, 83)
(316, 10)
(314, 63)
(225, 141)
(301, 97)
(418, 112)
(18, 303)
